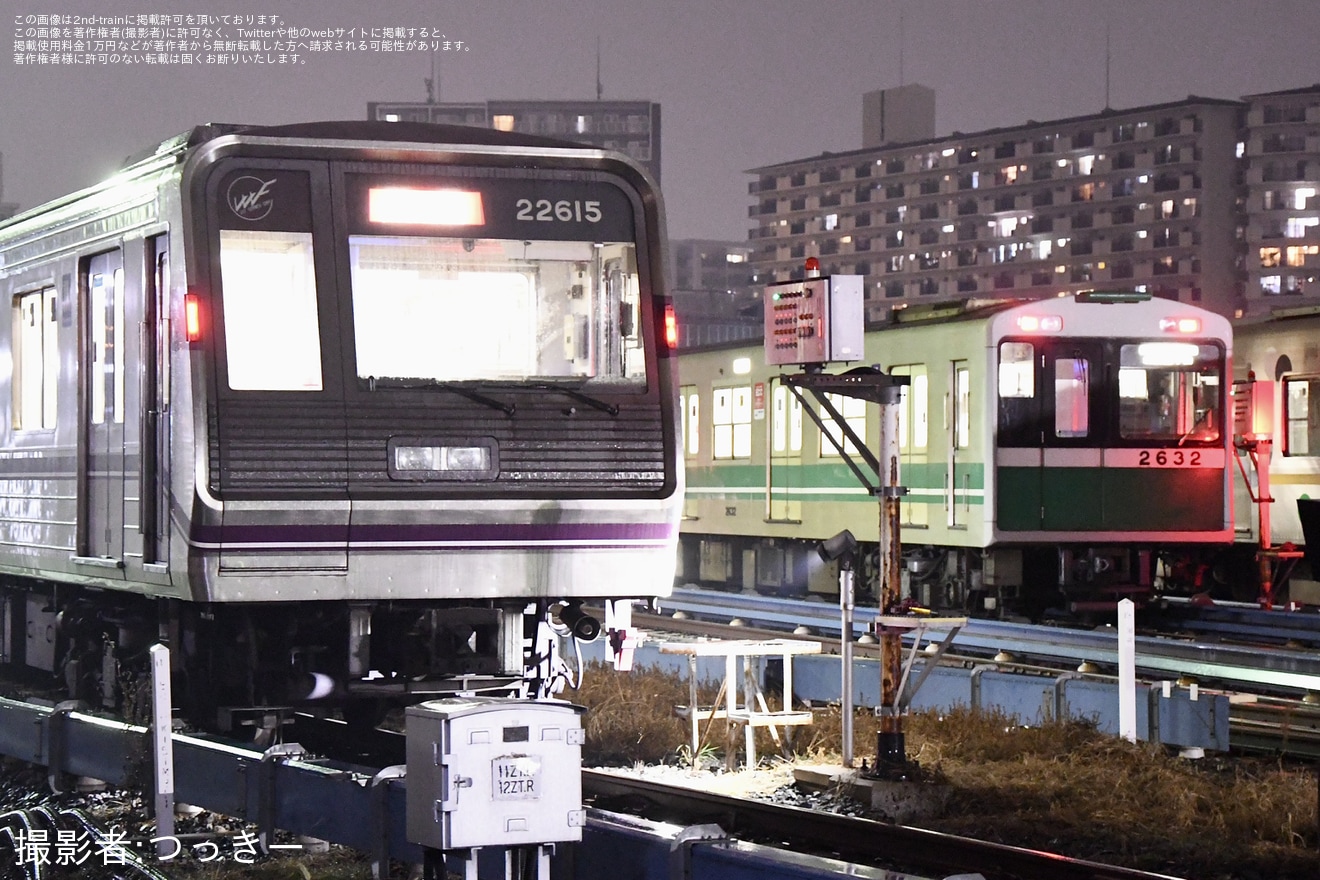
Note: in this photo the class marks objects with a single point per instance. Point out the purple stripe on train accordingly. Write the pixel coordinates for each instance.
(435, 533)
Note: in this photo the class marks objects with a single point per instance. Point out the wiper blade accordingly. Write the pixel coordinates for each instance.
(476, 397)
(594, 402)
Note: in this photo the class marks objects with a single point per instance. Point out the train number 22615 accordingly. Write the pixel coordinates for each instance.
(564, 210)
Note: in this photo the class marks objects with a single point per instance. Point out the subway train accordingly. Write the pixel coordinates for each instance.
(1056, 456)
(346, 414)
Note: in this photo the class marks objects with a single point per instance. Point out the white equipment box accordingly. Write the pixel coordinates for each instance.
(817, 321)
(490, 771)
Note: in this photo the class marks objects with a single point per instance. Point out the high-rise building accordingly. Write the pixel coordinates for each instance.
(1281, 154)
(630, 127)
(1150, 198)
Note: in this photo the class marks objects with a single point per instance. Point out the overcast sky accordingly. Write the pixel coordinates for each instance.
(741, 83)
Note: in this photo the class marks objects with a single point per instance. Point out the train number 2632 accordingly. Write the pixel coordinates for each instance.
(564, 210)
(1169, 458)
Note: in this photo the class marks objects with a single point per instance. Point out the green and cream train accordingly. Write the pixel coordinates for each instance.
(1057, 454)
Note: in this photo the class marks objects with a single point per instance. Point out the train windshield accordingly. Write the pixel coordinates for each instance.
(441, 309)
(1169, 391)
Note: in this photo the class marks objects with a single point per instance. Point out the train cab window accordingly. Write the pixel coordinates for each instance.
(36, 360)
(1072, 397)
(1169, 391)
(1017, 375)
(731, 422)
(853, 410)
(272, 334)
(1301, 402)
(436, 309)
(691, 415)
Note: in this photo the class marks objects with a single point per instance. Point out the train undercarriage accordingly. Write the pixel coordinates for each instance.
(1027, 582)
(240, 665)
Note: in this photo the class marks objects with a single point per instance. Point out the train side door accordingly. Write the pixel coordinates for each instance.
(154, 398)
(784, 476)
(958, 476)
(101, 464)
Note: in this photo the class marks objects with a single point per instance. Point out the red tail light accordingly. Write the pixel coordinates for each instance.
(192, 318)
(671, 327)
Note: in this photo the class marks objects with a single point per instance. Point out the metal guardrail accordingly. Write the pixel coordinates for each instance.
(1286, 671)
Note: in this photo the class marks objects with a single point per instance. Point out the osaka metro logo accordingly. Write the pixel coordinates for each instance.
(250, 198)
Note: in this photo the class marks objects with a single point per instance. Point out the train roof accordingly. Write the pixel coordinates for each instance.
(357, 129)
(179, 145)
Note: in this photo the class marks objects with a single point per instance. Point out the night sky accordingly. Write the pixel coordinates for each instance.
(740, 84)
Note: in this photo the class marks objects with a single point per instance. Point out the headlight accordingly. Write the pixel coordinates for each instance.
(410, 459)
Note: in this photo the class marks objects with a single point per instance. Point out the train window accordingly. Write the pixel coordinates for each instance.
(566, 310)
(731, 422)
(272, 334)
(36, 360)
(1017, 376)
(1169, 391)
(962, 405)
(1301, 401)
(1072, 396)
(107, 331)
(691, 414)
(853, 410)
(787, 421)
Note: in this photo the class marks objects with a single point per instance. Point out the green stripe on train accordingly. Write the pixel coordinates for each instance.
(830, 482)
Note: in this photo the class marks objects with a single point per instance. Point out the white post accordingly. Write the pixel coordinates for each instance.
(1127, 671)
(846, 661)
(162, 738)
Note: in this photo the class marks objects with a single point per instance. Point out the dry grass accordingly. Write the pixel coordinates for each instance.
(1061, 787)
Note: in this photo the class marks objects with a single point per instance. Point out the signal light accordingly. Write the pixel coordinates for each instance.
(812, 267)
(192, 318)
(671, 327)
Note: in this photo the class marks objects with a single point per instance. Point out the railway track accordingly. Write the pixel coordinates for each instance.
(862, 841)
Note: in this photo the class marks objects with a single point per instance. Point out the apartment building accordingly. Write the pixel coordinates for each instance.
(1280, 150)
(1144, 198)
(631, 127)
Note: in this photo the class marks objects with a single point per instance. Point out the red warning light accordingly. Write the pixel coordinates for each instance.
(813, 267)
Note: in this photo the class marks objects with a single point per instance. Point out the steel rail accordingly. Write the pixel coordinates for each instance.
(848, 837)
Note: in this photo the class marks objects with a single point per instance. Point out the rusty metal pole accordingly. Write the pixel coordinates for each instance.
(891, 750)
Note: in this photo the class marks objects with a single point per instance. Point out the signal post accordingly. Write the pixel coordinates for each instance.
(819, 321)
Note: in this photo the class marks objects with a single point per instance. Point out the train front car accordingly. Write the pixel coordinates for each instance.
(1111, 472)
(433, 410)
